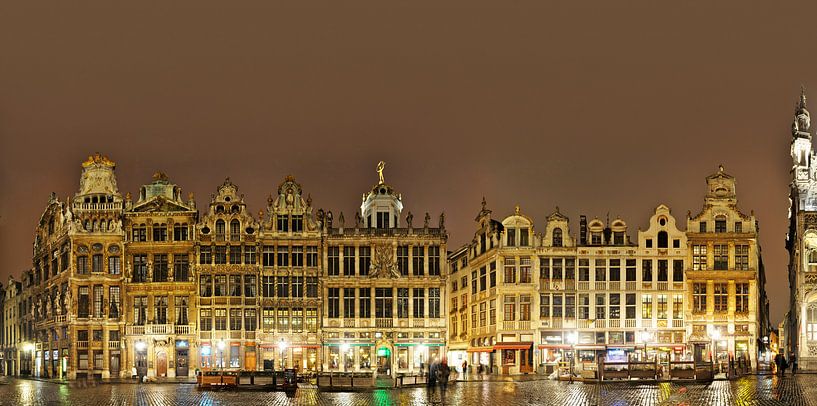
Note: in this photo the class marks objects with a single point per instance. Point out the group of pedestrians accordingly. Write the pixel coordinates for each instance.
(781, 364)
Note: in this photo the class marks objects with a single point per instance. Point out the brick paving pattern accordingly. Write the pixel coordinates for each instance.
(751, 390)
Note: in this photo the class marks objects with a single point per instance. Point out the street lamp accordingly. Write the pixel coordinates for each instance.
(221, 346)
(29, 347)
(422, 349)
(282, 345)
(344, 349)
(716, 335)
(572, 339)
(646, 337)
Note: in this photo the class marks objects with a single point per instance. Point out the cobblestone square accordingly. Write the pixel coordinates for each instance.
(751, 390)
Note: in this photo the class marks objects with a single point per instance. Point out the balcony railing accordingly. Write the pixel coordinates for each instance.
(663, 286)
(418, 323)
(82, 344)
(113, 345)
(630, 285)
(601, 286)
(98, 206)
(154, 329)
(384, 323)
(615, 323)
(583, 285)
(629, 323)
(183, 329)
(348, 323)
(677, 323)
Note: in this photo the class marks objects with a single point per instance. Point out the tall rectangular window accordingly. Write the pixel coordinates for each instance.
(365, 303)
(99, 308)
(741, 297)
(434, 260)
(646, 307)
(615, 306)
(403, 259)
(742, 257)
(509, 308)
(698, 257)
(600, 270)
(433, 303)
(678, 307)
(418, 260)
(268, 256)
(333, 261)
(677, 270)
(702, 227)
(312, 320)
(492, 274)
(83, 302)
(140, 310)
(721, 297)
(235, 319)
(235, 254)
(282, 221)
(333, 303)
(114, 265)
(699, 297)
(663, 270)
(557, 305)
(510, 270)
(721, 255)
(250, 287)
(283, 257)
(483, 279)
(297, 223)
(205, 256)
(160, 267)
(601, 308)
(283, 286)
(349, 303)
(311, 256)
(115, 302)
(206, 285)
(249, 255)
(82, 265)
(160, 310)
(402, 303)
(525, 275)
(250, 319)
(570, 306)
(311, 286)
(205, 319)
(235, 286)
(631, 270)
(584, 270)
(268, 286)
(646, 270)
(511, 237)
(181, 268)
(267, 319)
(283, 320)
(298, 286)
(544, 268)
(348, 261)
(615, 270)
(297, 320)
(720, 225)
(418, 299)
(364, 260)
(629, 306)
(557, 268)
(180, 232)
(159, 232)
(221, 255)
(220, 285)
(584, 306)
(525, 304)
(661, 309)
(383, 302)
(181, 306)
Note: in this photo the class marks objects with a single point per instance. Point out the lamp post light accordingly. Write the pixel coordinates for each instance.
(646, 337)
(572, 339)
(344, 350)
(29, 348)
(282, 345)
(716, 335)
(221, 345)
(422, 349)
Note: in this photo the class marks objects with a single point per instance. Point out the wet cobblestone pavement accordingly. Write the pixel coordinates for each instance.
(752, 390)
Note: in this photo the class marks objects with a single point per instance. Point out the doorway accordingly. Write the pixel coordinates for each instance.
(182, 363)
(141, 363)
(384, 361)
(114, 367)
(161, 364)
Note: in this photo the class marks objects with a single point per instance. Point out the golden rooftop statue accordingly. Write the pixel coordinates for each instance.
(98, 158)
(380, 166)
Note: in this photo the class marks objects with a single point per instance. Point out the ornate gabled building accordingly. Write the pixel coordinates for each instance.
(160, 291)
(227, 268)
(725, 278)
(289, 279)
(12, 334)
(383, 285)
(801, 242)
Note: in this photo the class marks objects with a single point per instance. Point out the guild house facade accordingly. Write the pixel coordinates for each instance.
(151, 285)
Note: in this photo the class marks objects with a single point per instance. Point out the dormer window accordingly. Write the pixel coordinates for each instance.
(297, 223)
(720, 224)
(618, 238)
(383, 219)
(738, 226)
(235, 230)
(663, 239)
(557, 237)
(220, 230)
(511, 237)
(702, 227)
(595, 238)
(524, 237)
(283, 222)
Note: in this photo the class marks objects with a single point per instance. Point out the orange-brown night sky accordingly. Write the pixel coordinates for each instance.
(595, 106)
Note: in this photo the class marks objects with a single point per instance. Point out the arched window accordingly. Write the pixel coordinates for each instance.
(663, 240)
(235, 230)
(811, 322)
(557, 237)
(812, 260)
(220, 230)
(720, 223)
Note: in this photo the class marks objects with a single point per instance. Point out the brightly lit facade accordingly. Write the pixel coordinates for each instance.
(383, 287)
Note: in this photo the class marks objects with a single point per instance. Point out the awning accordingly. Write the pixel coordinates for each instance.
(524, 345)
(554, 346)
(480, 349)
(590, 347)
